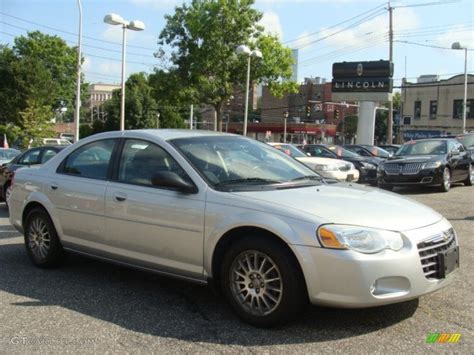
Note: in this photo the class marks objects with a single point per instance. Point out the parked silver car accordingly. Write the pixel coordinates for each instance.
(205, 207)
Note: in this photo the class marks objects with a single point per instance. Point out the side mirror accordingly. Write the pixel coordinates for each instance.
(169, 179)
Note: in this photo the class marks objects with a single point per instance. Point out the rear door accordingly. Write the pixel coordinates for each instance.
(77, 191)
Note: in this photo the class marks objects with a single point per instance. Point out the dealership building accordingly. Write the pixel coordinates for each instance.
(432, 107)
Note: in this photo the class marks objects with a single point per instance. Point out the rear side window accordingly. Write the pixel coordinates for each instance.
(48, 154)
(30, 158)
(90, 161)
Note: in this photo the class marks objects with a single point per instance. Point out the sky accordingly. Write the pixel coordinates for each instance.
(324, 31)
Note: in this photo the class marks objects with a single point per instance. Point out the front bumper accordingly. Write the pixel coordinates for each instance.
(344, 278)
(348, 175)
(426, 177)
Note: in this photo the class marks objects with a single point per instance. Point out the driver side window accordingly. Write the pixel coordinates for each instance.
(142, 160)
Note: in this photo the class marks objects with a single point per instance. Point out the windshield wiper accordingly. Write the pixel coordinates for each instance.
(308, 177)
(251, 180)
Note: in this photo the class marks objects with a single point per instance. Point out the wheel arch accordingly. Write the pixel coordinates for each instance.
(232, 235)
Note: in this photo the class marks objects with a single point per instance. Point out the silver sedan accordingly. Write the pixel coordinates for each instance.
(203, 206)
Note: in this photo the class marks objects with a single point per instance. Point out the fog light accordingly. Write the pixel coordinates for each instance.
(427, 179)
(393, 286)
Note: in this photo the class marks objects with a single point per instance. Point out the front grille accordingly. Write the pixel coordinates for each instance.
(404, 169)
(345, 167)
(429, 250)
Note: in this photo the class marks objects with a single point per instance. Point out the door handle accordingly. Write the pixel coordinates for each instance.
(54, 187)
(120, 197)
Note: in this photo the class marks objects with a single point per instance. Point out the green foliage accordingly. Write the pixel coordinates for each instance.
(38, 67)
(204, 36)
(35, 123)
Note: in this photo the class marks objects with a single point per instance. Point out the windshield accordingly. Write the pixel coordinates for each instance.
(376, 151)
(227, 163)
(290, 150)
(423, 148)
(467, 140)
(342, 152)
(6, 154)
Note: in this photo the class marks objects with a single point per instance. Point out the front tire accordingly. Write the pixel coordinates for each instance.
(446, 183)
(263, 282)
(41, 240)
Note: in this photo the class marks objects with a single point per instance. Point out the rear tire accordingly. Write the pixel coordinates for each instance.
(41, 240)
(470, 177)
(446, 183)
(7, 192)
(263, 282)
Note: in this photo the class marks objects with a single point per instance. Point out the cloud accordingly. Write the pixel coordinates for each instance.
(115, 33)
(271, 22)
(157, 4)
(462, 34)
(303, 41)
(374, 30)
(111, 68)
(87, 64)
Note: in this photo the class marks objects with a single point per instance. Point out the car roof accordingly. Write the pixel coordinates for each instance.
(164, 134)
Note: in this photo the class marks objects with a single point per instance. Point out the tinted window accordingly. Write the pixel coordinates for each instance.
(423, 148)
(30, 158)
(319, 152)
(91, 161)
(142, 160)
(48, 154)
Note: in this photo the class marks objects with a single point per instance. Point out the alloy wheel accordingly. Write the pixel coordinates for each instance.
(256, 283)
(8, 194)
(39, 238)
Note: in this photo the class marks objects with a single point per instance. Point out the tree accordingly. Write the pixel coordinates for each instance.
(35, 123)
(38, 67)
(204, 36)
(140, 106)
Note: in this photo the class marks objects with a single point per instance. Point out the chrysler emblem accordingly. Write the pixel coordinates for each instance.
(360, 69)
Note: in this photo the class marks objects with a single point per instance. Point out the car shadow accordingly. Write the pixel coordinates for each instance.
(165, 307)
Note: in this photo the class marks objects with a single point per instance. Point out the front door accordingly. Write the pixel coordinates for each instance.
(150, 225)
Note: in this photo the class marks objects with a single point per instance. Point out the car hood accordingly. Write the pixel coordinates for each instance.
(415, 158)
(350, 204)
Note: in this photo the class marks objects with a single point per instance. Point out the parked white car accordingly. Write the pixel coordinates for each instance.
(226, 209)
(55, 141)
(327, 167)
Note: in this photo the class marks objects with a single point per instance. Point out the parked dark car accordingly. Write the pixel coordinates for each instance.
(367, 166)
(432, 162)
(391, 148)
(367, 150)
(467, 140)
(33, 156)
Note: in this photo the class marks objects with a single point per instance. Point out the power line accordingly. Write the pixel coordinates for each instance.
(101, 57)
(427, 45)
(72, 33)
(85, 45)
(335, 25)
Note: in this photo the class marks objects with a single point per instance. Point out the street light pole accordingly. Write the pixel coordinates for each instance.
(457, 46)
(122, 96)
(464, 109)
(244, 50)
(285, 117)
(78, 84)
(114, 19)
(246, 112)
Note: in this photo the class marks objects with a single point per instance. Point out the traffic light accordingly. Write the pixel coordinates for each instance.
(308, 110)
(336, 114)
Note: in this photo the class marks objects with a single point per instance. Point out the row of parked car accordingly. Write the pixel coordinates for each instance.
(431, 162)
(225, 210)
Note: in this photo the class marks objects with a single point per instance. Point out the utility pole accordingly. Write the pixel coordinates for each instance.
(191, 117)
(390, 103)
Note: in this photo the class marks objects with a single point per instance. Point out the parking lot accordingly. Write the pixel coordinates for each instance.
(91, 306)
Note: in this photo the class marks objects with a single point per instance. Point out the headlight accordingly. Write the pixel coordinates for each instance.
(326, 167)
(432, 165)
(361, 239)
(369, 166)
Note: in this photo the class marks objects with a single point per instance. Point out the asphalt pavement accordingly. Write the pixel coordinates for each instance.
(90, 306)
